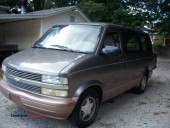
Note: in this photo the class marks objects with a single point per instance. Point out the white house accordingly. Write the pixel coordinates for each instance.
(25, 29)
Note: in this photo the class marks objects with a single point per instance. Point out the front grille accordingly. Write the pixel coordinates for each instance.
(22, 74)
(26, 87)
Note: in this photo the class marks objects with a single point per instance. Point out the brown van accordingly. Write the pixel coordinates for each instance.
(74, 68)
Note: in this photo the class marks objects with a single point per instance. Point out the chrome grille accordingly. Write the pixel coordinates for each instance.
(22, 74)
(27, 87)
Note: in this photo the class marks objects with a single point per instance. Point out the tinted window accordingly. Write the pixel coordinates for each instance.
(131, 42)
(146, 43)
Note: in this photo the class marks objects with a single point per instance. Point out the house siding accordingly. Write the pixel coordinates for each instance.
(80, 19)
(165, 39)
(23, 33)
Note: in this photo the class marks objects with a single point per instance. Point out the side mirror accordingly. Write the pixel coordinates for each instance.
(110, 50)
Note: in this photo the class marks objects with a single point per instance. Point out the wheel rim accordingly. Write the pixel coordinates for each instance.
(143, 82)
(88, 109)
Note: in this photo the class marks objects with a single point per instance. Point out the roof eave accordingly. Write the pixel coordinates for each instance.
(31, 16)
(4, 7)
(83, 15)
(70, 9)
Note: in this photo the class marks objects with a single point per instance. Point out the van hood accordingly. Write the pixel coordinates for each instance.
(44, 61)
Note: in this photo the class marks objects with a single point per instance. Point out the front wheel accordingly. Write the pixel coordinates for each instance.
(86, 109)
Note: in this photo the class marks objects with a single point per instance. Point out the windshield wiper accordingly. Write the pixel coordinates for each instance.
(66, 48)
(38, 46)
(61, 47)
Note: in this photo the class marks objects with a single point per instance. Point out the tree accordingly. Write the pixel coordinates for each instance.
(38, 4)
(61, 3)
(45, 4)
(134, 13)
(164, 22)
(13, 4)
(115, 11)
(10, 3)
(95, 11)
(33, 5)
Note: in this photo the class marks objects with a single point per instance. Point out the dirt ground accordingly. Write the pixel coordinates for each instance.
(149, 110)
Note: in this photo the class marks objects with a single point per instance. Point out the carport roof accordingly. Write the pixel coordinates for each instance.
(4, 18)
(4, 7)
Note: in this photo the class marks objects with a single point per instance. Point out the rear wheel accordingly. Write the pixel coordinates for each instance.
(142, 86)
(86, 109)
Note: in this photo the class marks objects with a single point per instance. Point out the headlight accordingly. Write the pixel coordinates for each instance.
(54, 80)
(53, 92)
(3, 68)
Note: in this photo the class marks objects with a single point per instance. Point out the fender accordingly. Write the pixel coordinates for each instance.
(87, 85)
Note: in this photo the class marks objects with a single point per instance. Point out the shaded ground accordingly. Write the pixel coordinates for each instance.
(0, 74)
(149, 110)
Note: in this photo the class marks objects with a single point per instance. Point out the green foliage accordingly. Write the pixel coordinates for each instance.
(110, 11)
(10, 3)
(61, 3)
(138, 13)
(164, 26)
(164, 22)
(123, 17)
(158, 43)
(38, 4)
(96, 11)
(134, 13)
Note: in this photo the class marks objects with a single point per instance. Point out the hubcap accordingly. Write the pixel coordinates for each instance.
(88, 109)
(143, 83)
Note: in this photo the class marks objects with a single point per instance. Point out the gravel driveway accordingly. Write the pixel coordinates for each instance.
(149, 110)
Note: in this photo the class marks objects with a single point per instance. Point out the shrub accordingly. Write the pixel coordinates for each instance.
(158, 43)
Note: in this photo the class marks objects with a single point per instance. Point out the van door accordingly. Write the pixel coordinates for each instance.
(133, 57)
(113, 68)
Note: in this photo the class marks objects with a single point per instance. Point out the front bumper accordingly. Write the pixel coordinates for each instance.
(59, 108)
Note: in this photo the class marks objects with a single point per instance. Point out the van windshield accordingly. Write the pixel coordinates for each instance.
(76, 38)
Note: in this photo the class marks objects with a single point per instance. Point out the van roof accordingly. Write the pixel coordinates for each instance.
(104, 24)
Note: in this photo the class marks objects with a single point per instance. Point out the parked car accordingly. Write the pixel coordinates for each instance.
(74, 68)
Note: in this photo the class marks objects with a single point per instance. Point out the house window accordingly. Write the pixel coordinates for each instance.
(72, 18)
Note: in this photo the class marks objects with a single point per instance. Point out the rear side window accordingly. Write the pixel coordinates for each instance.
(146, 43)
(131, 42)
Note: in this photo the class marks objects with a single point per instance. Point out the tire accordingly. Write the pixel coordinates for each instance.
(142, 86)
(86, 109)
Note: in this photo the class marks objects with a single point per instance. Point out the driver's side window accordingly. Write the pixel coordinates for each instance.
(111, 43)
(111, 39)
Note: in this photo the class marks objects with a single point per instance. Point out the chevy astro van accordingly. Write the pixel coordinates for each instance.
(73, 68)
